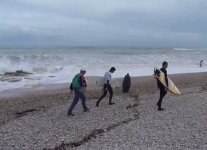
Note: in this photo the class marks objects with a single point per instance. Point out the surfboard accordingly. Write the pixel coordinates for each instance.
(171, 86)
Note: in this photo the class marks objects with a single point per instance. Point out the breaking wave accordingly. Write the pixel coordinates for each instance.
(60, 66)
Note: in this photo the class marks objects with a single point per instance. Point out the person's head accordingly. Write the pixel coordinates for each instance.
(112, 69)
(82, 71)
(165, 64)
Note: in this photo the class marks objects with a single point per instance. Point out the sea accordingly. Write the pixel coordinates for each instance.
(60, 64)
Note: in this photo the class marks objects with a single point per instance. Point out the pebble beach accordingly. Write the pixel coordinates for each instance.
(37, 120)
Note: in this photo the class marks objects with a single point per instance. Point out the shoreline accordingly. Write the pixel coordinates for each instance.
(9, 93)
(145, 85)
(49, 86)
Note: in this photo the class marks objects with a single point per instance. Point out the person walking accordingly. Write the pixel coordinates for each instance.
(107, 87)
(78, 85)
(163, 89)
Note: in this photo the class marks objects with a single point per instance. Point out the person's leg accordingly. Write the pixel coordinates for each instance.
(162, 94)
(111, 95)
(83, 98)
(74, 103)
(102, 96)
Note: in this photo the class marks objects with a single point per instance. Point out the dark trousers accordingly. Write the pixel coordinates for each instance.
(163, 92)
(78, 95)
(105, 90)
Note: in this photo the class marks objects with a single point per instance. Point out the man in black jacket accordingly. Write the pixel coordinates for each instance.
(163, 89)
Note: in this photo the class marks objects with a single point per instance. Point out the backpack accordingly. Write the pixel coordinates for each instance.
(75, 82)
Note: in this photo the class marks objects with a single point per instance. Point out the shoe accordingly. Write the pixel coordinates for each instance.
(70, 114)
(160, 109)
(111, 103)
(86, 110)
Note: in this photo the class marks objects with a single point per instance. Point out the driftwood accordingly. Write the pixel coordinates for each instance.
(22, 113)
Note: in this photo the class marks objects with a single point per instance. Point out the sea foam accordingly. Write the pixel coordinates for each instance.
(60, 65)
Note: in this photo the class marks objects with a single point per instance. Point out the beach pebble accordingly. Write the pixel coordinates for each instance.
(182, 125)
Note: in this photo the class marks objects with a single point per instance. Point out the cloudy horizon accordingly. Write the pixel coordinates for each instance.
(103, 23)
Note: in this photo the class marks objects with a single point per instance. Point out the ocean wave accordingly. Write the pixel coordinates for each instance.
(185, 49)
(65, 65)
(31, 58)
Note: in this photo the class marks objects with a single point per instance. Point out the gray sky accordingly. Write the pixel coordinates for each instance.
(104, 23)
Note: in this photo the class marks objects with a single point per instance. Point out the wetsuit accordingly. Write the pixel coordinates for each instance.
(163, 90)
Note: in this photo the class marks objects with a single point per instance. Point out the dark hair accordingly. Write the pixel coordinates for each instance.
(164, 63)
(112, 69)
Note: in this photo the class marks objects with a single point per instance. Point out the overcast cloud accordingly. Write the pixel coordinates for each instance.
(104, 23)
